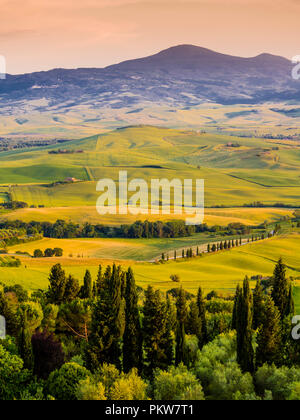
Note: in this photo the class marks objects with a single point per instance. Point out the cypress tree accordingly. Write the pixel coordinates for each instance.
(269, 335)
(194, 324)
(87, 288)
(72, 289)
(258, 305)
(108, 323)
(154, 332)
(57, 280)
(245, 353)
(24, 342)
(280, 292)
(180, 332)
(235, 307)
(290, 307)
(167, 338)
(99, 281)
(202, 315)
(132, 340)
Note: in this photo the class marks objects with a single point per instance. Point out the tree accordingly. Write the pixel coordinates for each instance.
(180, 332)
(176, 384)
(62, 384)
(132, 340)
(108, 323)
(245, 353)
(58, 252)
(280, 292)
(235, 307)
(99, 281)
(194, 324)
(269, 335)
(47, 352)
(24, 342)
(290, 307)
(38, 253)
(12, 375)
(258, 305)
(86, 291)
(154, 332)
(202, 315)
(49, 252)
(89, 390)
(72, 289)
(57, 287)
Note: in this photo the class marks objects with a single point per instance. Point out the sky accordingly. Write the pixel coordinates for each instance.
(39, 35)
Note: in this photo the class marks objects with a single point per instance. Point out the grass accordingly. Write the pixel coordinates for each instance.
(222, 217)
(221, 271)
(255, 171)
(123, 249)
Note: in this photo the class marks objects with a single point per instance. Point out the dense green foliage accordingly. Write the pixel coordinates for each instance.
(112, 340)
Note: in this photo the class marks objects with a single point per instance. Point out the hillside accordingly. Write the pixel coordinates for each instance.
(221, 271)
(236, 170)
(175, 88)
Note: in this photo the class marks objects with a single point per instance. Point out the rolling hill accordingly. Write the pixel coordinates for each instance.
(236, 171)
(182, 86)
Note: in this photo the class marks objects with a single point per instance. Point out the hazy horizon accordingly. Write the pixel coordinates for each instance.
(37, 36)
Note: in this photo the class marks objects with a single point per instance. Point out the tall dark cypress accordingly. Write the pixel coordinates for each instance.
(280, 292)
(87, 288)
(202, 315)
(258, 305)
(57, 286)
(168, 337)
(245, 353)
(24, 342)
(132, 340)
(99, 281)
(290, 306)
(108, 323)
(154, 332)
(194, 324)
(72, 289)
(269, 335)
(235, 307)
(180, 356)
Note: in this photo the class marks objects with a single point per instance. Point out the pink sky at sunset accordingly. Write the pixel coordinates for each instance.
(43, 34)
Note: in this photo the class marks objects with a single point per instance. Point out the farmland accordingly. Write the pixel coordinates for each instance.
(222, 217)
(221, 271)
(236, 170)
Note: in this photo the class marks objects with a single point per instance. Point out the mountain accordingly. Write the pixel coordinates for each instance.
(179, 78)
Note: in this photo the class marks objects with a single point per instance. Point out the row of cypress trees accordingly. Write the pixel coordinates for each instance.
(130, 336)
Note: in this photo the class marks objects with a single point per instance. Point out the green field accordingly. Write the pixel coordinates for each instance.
(221, 271)
(121, 249)
(257, 170)
(222, 217)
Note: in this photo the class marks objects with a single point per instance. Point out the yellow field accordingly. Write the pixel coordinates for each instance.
(222, 217)
(221, 271)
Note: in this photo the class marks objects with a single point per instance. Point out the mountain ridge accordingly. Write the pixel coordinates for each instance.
(178, 77)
